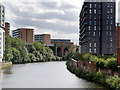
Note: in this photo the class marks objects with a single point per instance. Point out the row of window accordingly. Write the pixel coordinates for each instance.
(94, 22)
(94, 34)
(111, 39)
(95, 11)
(90, 45)
(108, 34)
(94, 17)
(107, 22)
(95, 28)
(94, 5)
(95, 50)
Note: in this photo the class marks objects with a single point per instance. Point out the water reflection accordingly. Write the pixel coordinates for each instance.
(43, 75)
(7, 70)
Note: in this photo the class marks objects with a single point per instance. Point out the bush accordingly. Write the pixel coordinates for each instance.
(113, 82)
(112, 64)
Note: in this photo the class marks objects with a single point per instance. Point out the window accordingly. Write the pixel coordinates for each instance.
(99, 17)
(95, 5)
(106, 21)
(89, 27)
(108, 11)
(95, 45)
(90, 17)
(90, 5)
(110, 34)
(107, 33)
(90, 50)
(94, 27)
(99, 28)
(108, 4)
(110, 28)
(108, 17)
(111, 22)
(89, 38)
(95, 50)
(111, 16)
(94, 22)
(99, 33)
(90, 11)
(99, 6)
(95, 11)
(111, 44)
(107, 28)
(90, 22)
(99, 22)
(90, 44)
(111, 10)
(107, 38)
(111, 39)
(99, 11)
(94, 34)
(95, 17)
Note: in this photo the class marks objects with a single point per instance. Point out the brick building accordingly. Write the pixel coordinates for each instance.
(7, 28)
(117, 35)
(45, 38)
(25, 34)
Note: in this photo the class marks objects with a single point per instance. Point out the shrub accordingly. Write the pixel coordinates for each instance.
(113, 82)
(111, 63)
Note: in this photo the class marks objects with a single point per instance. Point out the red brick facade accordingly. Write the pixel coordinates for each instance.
(117, 36)
(7, 28)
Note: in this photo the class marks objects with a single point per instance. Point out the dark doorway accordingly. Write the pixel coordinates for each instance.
(66, 51)
(59, 52)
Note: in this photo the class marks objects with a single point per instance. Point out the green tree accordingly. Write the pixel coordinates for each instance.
(16, 56)
(8, 52)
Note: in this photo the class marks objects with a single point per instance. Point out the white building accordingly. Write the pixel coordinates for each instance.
(2, 32)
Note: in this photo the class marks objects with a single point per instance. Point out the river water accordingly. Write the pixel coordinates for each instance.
(42, 75)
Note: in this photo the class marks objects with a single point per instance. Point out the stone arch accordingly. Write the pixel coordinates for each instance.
(66, 51)
(59, 52)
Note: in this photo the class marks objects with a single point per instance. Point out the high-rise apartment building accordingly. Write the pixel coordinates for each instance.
(97, 27)
(45, 38)
(2, 25)
(24, 34)
(7, 28)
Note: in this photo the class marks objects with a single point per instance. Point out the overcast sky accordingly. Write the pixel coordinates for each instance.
(60, 18)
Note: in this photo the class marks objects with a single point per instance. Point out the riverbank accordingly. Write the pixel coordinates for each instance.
(5, 65)
(97, 77)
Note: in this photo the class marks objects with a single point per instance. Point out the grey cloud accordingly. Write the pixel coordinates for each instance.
(53, 5)
(67, 16)
(49, 5)
(25, 19)
(46, 25)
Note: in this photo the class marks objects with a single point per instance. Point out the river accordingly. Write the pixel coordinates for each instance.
(42, 75)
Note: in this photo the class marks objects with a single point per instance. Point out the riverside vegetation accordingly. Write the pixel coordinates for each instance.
(17, 52)
(102, 63)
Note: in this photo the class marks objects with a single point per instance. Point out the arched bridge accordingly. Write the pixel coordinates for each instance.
(62, 49)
